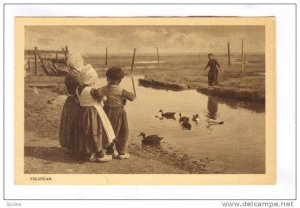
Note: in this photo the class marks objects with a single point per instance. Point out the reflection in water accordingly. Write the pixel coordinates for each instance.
(160, 117)
(235, 104)
(212, 107)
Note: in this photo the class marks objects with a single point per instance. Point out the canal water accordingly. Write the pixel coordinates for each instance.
(236, 146)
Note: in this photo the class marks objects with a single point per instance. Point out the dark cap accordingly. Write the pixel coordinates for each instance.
(115, 73)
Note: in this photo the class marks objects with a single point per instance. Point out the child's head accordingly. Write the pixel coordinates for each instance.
(115, 75)
(88, 76)
(210, 56)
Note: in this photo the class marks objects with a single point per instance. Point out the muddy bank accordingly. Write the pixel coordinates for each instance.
(43, 153)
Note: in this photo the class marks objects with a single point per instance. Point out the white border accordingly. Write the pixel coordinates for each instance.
(285, 24)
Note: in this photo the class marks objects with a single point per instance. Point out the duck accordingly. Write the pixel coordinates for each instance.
(196, 118)
(150, 139)
(167, 114)
(183, 118)
(186, 125)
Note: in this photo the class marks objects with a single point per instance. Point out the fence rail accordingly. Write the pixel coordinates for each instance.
(49, 62)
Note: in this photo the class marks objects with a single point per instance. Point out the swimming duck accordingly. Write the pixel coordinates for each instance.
(183, 118)
(196, 118)
(150, 139)
(186, 125)
(167, 114)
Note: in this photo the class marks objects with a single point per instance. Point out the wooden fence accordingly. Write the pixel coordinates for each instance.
(47, 62)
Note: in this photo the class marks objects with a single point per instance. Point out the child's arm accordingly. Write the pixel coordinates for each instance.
(127, 95)
(206, 65)
(98, 94)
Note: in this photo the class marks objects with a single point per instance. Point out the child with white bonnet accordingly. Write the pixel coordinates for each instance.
(75, 64)
(94, 132)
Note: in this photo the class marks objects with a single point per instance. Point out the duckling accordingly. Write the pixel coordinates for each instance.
(150, 139)
(167, 114)
(186, 125)
(196, 118)
(183, 118)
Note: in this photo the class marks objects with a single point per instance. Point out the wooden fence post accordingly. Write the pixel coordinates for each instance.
(157, 52)
(29, 68)
(242, 56)
(35, 61)
(228, 52)
(66, 56)
(106, 55)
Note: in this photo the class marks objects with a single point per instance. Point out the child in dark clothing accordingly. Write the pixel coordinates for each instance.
(114, 109)
(213, 73)
(70, 109)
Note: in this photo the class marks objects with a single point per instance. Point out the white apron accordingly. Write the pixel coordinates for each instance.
(87, 100)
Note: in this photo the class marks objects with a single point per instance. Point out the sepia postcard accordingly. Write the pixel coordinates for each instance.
(145, 101)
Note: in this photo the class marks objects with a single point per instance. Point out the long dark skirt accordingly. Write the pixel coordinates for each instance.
(213, 77)
(67, 122)
(90, 136)
(119, 122)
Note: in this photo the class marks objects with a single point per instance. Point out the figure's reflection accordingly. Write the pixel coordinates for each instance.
(212, 107)
(212, 114)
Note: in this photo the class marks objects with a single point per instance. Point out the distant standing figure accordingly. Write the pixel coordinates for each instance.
(213, 73)
(71, 105)
(114, 108)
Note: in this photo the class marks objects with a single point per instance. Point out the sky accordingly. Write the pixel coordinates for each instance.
(169, 39)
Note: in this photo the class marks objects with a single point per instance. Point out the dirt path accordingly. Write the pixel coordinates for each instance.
(44, 156)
